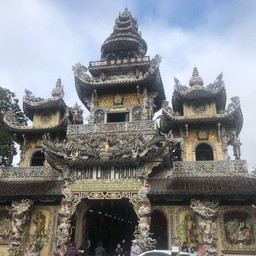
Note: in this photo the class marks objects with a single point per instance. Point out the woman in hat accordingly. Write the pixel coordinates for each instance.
(135, 249)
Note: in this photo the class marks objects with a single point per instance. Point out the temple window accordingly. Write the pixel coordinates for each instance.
(176, 153)
(204, 152)
(136, 114)
(118, 117)
(99, 116)
(38, 159)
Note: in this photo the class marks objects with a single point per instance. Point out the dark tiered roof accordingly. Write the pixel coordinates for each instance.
(197, 91)
(123, 64)
(125, 37)
(18, 128)
(34, 190)
(30, 107)
(231, 115)
(227, 188)
(32, 104)
(230, 187)
(151, 78)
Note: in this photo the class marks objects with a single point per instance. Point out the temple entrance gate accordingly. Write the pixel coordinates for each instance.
(108, 221)
(105, 210)
(94, 192)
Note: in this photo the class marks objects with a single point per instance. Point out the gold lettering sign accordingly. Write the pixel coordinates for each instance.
(105, 172)
(117, 109)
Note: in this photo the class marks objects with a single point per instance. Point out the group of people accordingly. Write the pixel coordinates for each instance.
(82, 251)
(122, 249)
(197, 250)
(73, 251)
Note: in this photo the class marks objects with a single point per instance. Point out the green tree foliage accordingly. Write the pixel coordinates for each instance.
(8, 102)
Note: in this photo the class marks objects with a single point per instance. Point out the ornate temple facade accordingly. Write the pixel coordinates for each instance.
(122, 173)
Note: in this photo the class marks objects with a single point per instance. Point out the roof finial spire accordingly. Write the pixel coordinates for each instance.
(58, 90)
(196, 79)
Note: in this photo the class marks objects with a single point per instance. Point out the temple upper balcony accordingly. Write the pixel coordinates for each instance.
(225, 167)
(108, 144)
(112, 63)
(202, 168)
(118, 127)
(28, 173)
(119, 61)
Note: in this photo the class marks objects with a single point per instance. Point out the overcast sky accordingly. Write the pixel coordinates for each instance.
(40, 41)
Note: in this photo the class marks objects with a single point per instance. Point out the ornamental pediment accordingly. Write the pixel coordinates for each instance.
(117, 147)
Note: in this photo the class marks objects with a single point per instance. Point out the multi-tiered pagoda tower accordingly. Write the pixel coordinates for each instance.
(121, 174)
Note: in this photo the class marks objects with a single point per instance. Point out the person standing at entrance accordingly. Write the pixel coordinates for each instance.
(72, 250)
(81, 251)
(100, 251)
(135, 249)
(119, 250)
(125, 247)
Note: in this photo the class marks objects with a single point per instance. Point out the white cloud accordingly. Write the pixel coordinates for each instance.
(42, 40)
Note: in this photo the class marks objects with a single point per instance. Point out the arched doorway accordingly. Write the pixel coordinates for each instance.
(38, 158)
(158, 228)
(204, 152)
(109, 221)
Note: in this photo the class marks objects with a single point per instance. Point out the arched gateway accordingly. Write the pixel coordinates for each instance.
(105, 220)
(106, 210)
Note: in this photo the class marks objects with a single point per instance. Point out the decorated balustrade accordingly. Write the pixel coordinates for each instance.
(42, 172)
(119, 61)
(143, 125)
(210, 167)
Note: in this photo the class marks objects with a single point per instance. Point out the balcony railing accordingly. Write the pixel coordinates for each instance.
(186, 167)
(42, 172)
(146, 125)
(95, 64)
(210, 167)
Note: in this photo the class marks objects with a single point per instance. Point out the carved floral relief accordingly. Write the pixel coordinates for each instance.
(238, 227)
(5, 226)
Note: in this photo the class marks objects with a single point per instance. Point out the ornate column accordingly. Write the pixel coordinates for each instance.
(68, 207)
(207, 214)
(143, 210)
(19, 213)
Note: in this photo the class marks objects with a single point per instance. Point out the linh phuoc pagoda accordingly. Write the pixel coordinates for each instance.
(122, 172)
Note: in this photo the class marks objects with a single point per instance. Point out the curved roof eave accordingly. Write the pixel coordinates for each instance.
(84, 87)
(29, 107)
(28, 129)
(234, 117)
(199, 93)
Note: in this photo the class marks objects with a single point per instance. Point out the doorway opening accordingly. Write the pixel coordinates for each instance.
(109, 222)
(118, 117)
(38, 158)
(158, 228)
(204, 152)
